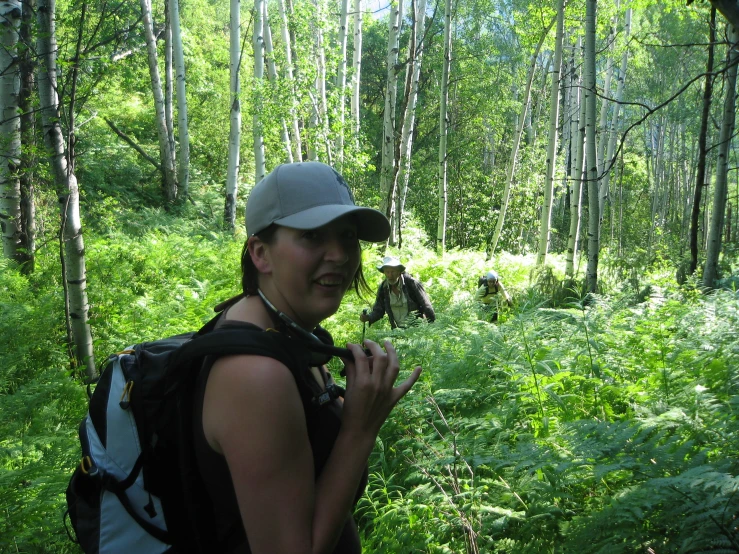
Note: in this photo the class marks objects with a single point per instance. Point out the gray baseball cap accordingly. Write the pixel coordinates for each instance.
(307, 195)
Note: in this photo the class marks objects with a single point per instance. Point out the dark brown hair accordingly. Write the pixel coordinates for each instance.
(250, 274)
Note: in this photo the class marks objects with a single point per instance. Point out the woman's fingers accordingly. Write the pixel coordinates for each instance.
(406, 385)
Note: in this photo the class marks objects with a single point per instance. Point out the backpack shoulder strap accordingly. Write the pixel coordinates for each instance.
(234, 339)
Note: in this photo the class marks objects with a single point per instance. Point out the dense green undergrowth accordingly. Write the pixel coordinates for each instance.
(601, 424)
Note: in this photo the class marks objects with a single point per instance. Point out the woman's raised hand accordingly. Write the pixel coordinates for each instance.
(370, 391)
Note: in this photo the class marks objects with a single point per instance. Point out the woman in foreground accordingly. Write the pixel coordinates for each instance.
(283, 472)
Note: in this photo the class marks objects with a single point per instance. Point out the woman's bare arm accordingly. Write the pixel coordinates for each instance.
(254, 416)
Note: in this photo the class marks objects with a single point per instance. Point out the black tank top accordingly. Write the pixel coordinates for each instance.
(323, 424)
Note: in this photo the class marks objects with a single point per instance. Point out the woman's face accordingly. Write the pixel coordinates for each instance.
(392, 274)
(309, 271)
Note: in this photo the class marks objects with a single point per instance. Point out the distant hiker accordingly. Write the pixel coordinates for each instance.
(491, 293)
(400, 296)
(283, 458)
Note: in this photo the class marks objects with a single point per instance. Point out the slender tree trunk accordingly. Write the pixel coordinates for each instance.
(168, 77)
(296, 139)
(546, 209)
(387, 171)
(258, 43)
(341, 82)
(357, 65)
(720, 191)
(183, 173)
(591, 157)
(27, 166)
(406, 140)
(612, 131)
(607, 90)
(75, 276)
(165, 152)
(443, 130)
(700, 178)
(234, 133)
(319, 120)
(511, 166)
(272, 75)
(576, 169)
(11, 222)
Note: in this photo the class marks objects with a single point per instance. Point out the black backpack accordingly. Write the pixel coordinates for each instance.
(137, 488)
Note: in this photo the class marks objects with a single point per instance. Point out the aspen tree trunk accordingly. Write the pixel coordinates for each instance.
(10, 131)
(511, 166)
(591, 157)
(296, 139)
(27, 166)
(406, 139)
(546, 209)
(165, 152)
(387, 170)
(576, 168)
(258, 44)
(608, 160)
(75, 275)
(357, 65)
(320, 105)
(272, 75)
(183, 132)
(700, 177)
(234, 133)
(720, 190)
(444, 129)
(341, 82)
(605, 103)
(168, 77)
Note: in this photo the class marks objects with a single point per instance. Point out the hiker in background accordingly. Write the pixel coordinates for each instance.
(282, 470)
(491, 293)
(400, 296)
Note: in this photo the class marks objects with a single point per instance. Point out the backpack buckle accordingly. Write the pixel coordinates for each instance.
(332, 392)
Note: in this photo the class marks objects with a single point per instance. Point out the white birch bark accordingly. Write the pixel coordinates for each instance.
(406, 139)
(357, 65)
(341, 82)
(297, 143)
(546, 209)
(234, 133)
(523, 121)
(183, 131)
(258, 44)
(165, 153)
(720, 190)
(443, 128)
(10, 130)
(611, 148)
(272, 75)
(75, 275)
(590, 146)
(387, 170)
(577, 132)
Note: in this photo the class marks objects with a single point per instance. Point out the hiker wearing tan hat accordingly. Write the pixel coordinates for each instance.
(400, 296)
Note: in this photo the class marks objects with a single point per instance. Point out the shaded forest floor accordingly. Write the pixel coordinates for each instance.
(606, 427)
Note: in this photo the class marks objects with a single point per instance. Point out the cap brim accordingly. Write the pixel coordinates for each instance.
(372, 225)
(381, 268)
